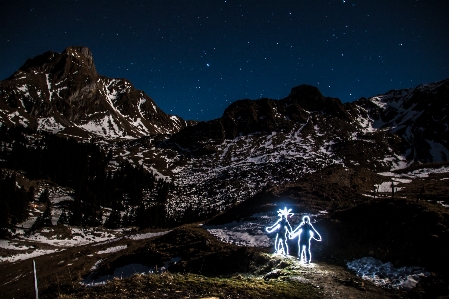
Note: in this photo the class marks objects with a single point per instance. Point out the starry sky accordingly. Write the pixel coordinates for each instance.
(195, 57)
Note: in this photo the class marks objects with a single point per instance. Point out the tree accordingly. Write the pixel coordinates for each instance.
(130, 217)
(43, 219)
(46, 216)
(44, 197)
(114, 219)
(4, 214)
(162, 193)
(142, 217)
(77, 216)
(63, 218)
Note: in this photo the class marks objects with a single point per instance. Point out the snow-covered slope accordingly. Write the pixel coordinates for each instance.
(419, 116)
(257, 144)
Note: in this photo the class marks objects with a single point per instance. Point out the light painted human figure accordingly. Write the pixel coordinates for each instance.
(283, 229)
(305, 232)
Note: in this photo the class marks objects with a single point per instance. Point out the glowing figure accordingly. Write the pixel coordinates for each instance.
(306, 233)
(282, 228)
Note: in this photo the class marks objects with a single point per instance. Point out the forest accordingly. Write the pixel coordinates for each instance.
(83, 167)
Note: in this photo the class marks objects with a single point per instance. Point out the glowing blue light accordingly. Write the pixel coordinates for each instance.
(305, 233)
(283, 229)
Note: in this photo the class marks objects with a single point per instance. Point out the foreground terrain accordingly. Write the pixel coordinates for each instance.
(207, 268)
(203, 260)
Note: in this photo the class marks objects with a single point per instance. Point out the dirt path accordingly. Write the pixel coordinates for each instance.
(337, 282)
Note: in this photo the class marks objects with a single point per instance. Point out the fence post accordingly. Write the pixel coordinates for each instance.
(35, 281)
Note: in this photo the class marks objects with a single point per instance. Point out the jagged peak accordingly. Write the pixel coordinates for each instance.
(78, 50)
(83, 53)
(306, 91)
(72, 58)
(39, 61)
(311, 99)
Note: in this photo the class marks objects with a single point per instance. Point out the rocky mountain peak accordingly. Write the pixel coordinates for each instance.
(306, 91)
(72, 61)
(62, 92)
(311, 99)
(79, 50)
(83, 54)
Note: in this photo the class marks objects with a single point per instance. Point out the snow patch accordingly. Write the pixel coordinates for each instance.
(386, 275)
(49, 124)
(112, 249)
(8, 245)
(147, 235)
(386, 187)
(249, 233)
(25, 256)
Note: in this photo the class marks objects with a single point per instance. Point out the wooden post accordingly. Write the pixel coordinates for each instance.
(35, 281)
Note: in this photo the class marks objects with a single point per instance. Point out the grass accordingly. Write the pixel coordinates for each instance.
(169, 285)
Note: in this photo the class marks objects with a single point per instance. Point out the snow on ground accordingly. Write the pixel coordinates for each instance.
(5, 244)
(25, 256)
(112, 249)
(27, 223)
(385, 187)
(418, 173)
(406, 178)
(107, 241)
(251, 232)
(95, 267)
(443, 204)
(49, 124)
(246, 233)
(147, 235)
(57, 198)
(78, 236)
(386, 275)
(404, 181)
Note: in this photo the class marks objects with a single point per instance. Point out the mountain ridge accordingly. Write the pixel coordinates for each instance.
(63, 92)
(254, 145)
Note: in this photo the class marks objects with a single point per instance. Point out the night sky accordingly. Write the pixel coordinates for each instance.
(195, 57)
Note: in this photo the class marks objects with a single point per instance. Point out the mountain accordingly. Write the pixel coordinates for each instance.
(417, 115)
(63, 93)
(255, 145)
(409, 114)
(372, 174)
(258, 144)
